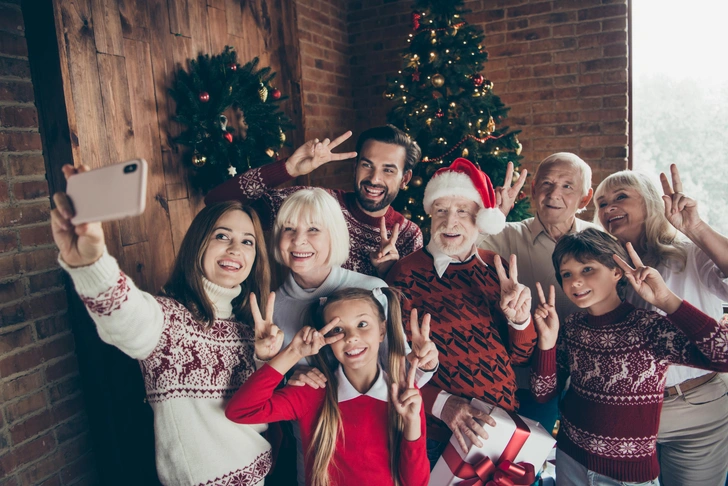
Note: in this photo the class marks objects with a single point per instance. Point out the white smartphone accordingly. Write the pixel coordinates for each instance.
(109, 193)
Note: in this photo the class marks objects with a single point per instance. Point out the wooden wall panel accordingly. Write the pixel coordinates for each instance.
(119, 60)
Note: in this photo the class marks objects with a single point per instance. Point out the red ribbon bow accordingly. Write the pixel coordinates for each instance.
(485, 472)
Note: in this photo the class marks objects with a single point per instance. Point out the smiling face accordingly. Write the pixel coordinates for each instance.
(590, 285)
(230, 251)
(558, 193)
(380, 175)
(622, 212)
(453, 228)
(304, 248)
(363, 331)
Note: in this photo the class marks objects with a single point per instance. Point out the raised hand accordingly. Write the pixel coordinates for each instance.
(424, 350)
(648, 282)
(546, 319)
(505, 196)
(305, 375)
(680, 210)
(387, 254)
(515, 297)
(268, 337)
(406, 398)
(460, 416)
(79, 245)
(314, 153)
(308, 341)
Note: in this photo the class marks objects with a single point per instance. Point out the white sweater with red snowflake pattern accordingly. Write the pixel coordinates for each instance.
(189, 375)
(618, 364)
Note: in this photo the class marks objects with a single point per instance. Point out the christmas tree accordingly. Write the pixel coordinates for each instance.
(442, 99)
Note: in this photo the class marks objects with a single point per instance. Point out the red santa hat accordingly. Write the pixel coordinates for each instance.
(464, 179)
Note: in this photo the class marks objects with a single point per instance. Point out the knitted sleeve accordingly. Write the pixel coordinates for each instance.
(414, 468)
(253, 184)
(410, 239)
(258, 402)
(700, 341)
(125, 316)
(549, 371)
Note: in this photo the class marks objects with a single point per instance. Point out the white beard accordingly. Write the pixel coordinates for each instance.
(454, 249)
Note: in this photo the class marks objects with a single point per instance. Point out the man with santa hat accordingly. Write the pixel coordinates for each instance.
(481, 315)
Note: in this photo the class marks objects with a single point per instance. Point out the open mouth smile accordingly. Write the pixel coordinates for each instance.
(615, 218)
(582, 294)
(354, 352)
(229, 265)
(372, 191)
(301, 254)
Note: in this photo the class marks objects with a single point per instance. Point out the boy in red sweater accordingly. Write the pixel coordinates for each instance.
(617, 357)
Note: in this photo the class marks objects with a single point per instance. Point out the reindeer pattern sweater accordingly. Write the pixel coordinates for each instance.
(618, 364)
(257, 187)
(476, 344)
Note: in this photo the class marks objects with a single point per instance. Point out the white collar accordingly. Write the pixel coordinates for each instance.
(346, 390)
(442, 260)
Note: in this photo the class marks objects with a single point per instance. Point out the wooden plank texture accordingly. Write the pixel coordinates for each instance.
(107, 27)
(179, 19)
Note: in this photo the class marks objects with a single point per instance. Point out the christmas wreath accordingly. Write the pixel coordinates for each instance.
(232, 114)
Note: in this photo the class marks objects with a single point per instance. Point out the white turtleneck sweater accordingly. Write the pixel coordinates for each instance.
(189, 375)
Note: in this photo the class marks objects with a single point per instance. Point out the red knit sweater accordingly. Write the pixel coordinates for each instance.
(476, 344)
(256, 187)
(618, 363)
(362, 450)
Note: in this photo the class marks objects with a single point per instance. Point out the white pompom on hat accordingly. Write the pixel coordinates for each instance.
(464, 179)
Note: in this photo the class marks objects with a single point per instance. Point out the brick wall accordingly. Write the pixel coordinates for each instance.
(560, 65)
(327, 91)
(43, 427)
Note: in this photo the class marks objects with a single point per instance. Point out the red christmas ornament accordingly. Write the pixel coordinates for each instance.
(521, 195)
(439, 114)
(276, 94)
(416, 20)
(416, 76)
(477, 79)
(232, 66)
(204, 96)
(228, 136)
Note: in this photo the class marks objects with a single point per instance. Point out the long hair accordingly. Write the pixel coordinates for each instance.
(185, 284)
(328, 427)
(660, 241)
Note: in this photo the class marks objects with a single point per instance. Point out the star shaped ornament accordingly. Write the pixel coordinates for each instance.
(232, 171)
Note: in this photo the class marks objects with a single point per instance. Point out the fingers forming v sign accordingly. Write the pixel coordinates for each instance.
(387, 255)
(423, 349)
(268, 337)
(309, 341)
(507, 194)
(315, 153)
(546, 319)
(515, 297)
(646, 281)
(680, 210)
(405, 397)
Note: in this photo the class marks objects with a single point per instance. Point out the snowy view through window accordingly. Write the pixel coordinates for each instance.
(680, 98)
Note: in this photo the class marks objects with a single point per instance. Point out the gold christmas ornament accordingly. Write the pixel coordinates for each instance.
(466, 152)
(411, 200)
(282, 137)
(433, 41)
(417, 180)
(488, 85)
(263, 92)
(270, 153)
(438, 80)
(198, 160)
(519, 148)
(516, 175)
(407, 213)
(490, 128)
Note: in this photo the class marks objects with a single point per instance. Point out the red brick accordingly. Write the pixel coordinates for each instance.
(31, 427)
(529, 9)
(36, 235)
(19, 141)
(529, 34)
(22, 361)
(588, 27)
(18, 68)
(68, 408)
(77, 469)
(63, 390)
(44, 281)
(30, 190)
(16, 91)
(13, 313)
(72, 428)
(27, 165)
(11, 19)
(51, 326)
(602, 90)
(25, 406)
(21, 386)
(36, 260)
(26, 453)
(4, 192)
(19, 117)
(602, 12)
(12, 340)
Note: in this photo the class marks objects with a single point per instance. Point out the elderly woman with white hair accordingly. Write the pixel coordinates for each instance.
(692, 439)
(560, 189)
(311, 240)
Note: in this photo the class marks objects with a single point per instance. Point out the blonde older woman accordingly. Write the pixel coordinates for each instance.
(693, 435)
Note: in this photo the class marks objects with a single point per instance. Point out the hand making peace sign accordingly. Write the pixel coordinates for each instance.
(506, 195)
(406, 398)
(387, 255)
(680, 210)
(308, 341)
(424, 350)
(515, 297)
(268, 337)
(648, 282)
(546, 319)
(314, 153)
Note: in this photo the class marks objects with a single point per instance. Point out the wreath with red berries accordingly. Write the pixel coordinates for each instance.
(232, 116)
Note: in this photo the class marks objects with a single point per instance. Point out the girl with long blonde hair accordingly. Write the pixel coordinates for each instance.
(366, 425)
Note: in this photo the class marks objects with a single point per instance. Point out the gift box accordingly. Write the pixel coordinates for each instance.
(514, 452)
